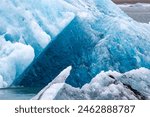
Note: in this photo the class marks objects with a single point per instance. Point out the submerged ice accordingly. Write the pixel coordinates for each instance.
(90, 35)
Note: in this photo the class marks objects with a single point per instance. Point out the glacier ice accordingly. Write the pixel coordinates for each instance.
(90, 35)
(26, 25)
(14, 58)
(100, 37)
(32, 22)
(109, 85)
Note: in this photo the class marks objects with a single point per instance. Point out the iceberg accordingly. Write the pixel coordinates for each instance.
(100, 37)
(109, 85)
(46, 36)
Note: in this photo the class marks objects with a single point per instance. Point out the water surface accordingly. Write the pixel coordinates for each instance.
(19, 93)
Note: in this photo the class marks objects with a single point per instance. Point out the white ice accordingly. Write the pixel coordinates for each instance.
(14, 58)
(109, 85)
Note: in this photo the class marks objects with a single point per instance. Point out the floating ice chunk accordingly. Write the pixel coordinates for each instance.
(14, 58)
(51, 90)
(3, 84)
(139, 80)
(106, 85)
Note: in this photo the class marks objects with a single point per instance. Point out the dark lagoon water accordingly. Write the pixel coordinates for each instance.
(139, 13)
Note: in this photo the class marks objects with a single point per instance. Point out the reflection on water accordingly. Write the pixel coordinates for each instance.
(18, 93)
